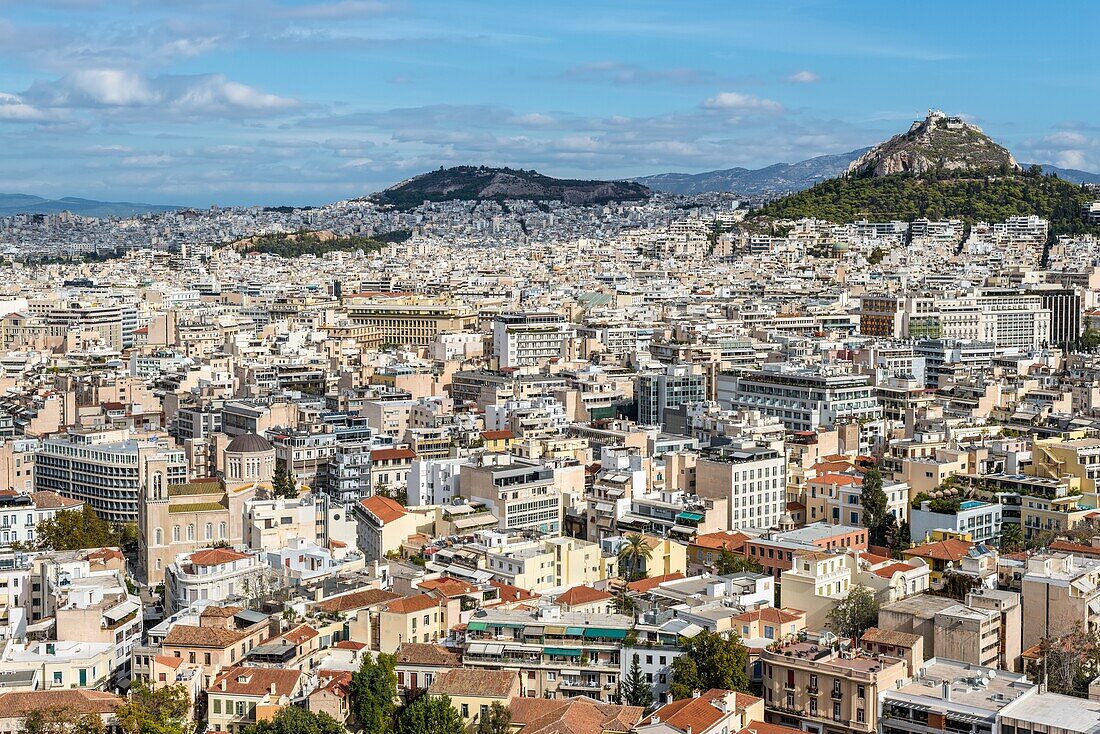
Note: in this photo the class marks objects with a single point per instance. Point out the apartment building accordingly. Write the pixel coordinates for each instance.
(522, 493)
(1059, 590)
(979, 520)
(814, 687)
(526, 339)
(406, 321)
(557, 654)
(20, 513)
(241, 696)
(750, 479)
(215, 574)
(671, 388)
(804, 399)
(106, 469)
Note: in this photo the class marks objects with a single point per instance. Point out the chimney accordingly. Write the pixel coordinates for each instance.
(947, 691)
(272, 688)
(696, 693)
(221, 684)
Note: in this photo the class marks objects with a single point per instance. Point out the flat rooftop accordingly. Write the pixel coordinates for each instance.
(973, 689)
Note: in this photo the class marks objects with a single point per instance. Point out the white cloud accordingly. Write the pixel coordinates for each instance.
(741, 102)
(1072, 159)
(209, 94)
(804, 77)
(534, 119)
(14, 109)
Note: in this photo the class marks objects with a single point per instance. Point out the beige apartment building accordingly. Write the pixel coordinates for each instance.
(815, 688)
(410, 321)
(1060, 590)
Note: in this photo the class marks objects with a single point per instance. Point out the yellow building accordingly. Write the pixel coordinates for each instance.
(665, 556)
(1057, 458)
(417, 618)
(472, 691)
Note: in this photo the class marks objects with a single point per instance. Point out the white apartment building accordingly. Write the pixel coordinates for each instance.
(804, 399)
(751, 480)
(106, 468)
(215, 574)
(434, 481)
(531, 338)
(21, 513)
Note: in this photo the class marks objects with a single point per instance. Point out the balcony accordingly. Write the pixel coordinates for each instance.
(837, 695)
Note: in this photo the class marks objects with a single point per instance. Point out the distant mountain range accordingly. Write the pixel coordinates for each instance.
(781, 178)
(481, 183)
(11, 204)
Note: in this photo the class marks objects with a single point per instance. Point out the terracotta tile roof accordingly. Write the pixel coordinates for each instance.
(356, 600)
(213, 612)
(383, 508)
(216, 556)
(301, 633)
(392, 454)
(186, 635)
(474, 682)
(874, 558)
(772, 614)
(497, 435)
(579, 715)
(582, 595)
(350, 645)
(888, 571)
(170, 661)
(510, 594)
(335, 682)
(841, 480)
(447, 586)
(944, 550)
(643, 585)
(698, 714)
(1066, 546)
(760, 727)
(422, 653)
(83, 701)
(250, 681)
(728, 539)
(47, 500)
(897, 638)
(412, 604)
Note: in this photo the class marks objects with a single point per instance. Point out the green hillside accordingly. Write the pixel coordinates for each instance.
(938, 196)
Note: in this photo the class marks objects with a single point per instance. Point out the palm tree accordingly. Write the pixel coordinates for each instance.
(634, 550)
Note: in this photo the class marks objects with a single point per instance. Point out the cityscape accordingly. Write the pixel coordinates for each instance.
(725, 418)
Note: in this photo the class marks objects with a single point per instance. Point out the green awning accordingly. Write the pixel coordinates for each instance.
(516, 625)
(564, 651)
(608, 633)
(477, 626)
(578, 631)
(690, 516)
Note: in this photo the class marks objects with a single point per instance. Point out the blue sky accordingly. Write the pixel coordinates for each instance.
(285, 101)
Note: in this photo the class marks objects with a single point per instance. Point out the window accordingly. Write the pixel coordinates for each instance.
(859, 715)
(465, 710)
(836, 711)
(861, 692)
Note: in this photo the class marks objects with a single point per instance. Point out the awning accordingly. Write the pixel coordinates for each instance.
(478, 648)
(532, 631)
(555, 630)
(568, 652)
(602, 632)
(690, 516)
(122, 610)
(477, 626)
(570, 672)
(603, 507)
(494, 649)
(578, 631)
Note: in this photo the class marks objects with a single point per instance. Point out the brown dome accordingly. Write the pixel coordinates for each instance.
(249, 443)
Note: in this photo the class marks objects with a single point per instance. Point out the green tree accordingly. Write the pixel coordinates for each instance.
(283, 483)
(633, 554)
(1067, 663)
(60, 720)
(430, 714)
(854, 613)
(151, 710)
(624, 603)
(497, 720)
(729, 562)
(373, 690)
(902, 539)
(297, 720)
(77, 529)
(634, 689)
(1012, 538)
(873, 502)
(713, 661)
(876, 256)
(1090, 338)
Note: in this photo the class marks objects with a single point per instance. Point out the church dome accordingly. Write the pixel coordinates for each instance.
(249, 443)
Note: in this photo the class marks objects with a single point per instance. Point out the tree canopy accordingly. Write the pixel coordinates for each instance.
(373, 691)
(296, 720)
(633, 554)
(729, 562)
(634, 689)
(710, 661)
(151, 710)
(433, 714)
(854, 613)
(497, 720)
(60, 720)
(77, 529)
(874, 504)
